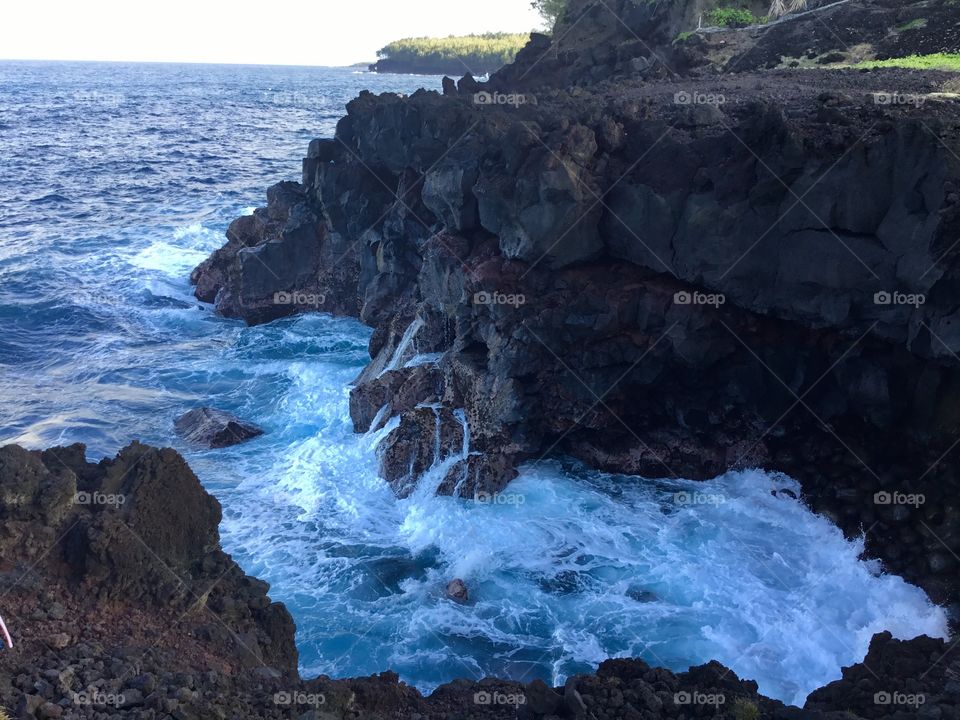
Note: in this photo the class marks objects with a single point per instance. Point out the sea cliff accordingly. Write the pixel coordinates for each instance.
(666, 271)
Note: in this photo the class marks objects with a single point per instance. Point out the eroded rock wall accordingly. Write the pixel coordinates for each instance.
(668, 280)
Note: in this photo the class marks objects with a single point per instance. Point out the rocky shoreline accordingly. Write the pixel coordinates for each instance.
(650, 282)
(664, 258)
(122, 604)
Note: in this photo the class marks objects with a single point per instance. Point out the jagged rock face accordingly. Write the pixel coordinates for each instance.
(876, 688)
(785, 226)
(426, 437)
(278, 262)
(660, 287)
(138, 530)
(399, 391)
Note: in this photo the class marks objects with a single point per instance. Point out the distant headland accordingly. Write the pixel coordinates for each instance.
(454, 55)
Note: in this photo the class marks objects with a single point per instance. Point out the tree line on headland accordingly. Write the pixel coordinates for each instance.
(474, 54)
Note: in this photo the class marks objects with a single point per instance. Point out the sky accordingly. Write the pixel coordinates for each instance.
(282, 32)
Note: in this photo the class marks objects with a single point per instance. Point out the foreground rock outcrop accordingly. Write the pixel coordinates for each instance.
(123, 605)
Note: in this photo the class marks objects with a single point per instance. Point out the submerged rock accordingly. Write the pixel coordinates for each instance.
(214, 428)
(641, 595)
(457, 591)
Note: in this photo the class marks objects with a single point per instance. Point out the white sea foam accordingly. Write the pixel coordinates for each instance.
(175, 259)
(567, 568)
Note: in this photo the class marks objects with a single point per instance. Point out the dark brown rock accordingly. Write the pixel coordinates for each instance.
(457, 591)
(214, 428)
(426, 436)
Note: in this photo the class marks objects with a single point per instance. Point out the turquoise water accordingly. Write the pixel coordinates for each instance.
(120, 178)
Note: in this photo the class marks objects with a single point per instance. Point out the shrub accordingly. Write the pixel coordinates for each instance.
(550, 10)
(731, 17)
(745, 710)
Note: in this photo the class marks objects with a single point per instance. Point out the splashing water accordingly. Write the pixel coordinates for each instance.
(102, 342)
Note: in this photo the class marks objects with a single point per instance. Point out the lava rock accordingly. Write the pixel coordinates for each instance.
(457, 591)
(541, 698)
(214, 428)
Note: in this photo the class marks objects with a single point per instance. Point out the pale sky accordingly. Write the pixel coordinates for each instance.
(282, 32)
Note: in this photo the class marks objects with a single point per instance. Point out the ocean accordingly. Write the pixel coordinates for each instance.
(119, 178)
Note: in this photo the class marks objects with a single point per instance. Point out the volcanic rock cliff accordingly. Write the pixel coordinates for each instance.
(662, 271)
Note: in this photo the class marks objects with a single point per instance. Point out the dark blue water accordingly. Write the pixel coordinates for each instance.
(117, 179)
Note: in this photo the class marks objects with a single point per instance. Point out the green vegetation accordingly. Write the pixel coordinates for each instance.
(779, 8)
(476, 54)
(913, 25)
(683, 37)
(938, 61)
(550, 10)
(743, 709)
(731, 17)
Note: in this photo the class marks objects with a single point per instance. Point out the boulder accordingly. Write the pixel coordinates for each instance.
(214, 428)
(457, 591)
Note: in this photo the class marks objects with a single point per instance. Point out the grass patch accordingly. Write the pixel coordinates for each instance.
(937, 61)
(683, 37)
(732, 17)
(912, 25)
